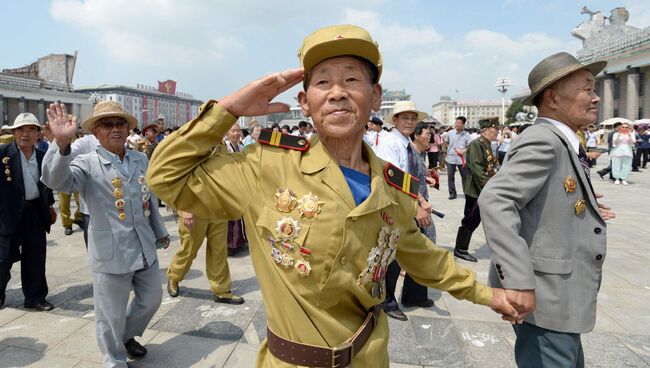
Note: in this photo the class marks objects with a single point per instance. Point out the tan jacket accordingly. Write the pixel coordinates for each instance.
(327, 306)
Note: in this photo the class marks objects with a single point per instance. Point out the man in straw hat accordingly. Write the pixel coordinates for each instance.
(26, 213)
(325, 216)
(125, 226)
(481, 165)
(543, 196)
(396, 148)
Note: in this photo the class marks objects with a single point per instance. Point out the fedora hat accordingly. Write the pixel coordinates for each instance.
(406, 106)
(339, 40)
(554, 68)
(24, 119)
(108, 109)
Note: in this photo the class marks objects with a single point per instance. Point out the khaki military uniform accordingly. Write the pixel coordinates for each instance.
(322, 302)
(146, 147)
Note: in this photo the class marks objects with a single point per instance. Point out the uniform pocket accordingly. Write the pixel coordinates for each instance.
(102, 245)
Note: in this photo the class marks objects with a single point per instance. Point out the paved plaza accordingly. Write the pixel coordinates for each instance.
(193, 331)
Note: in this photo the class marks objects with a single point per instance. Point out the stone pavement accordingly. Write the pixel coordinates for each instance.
(193, 331)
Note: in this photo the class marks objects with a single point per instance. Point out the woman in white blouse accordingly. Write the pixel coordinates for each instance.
(621, 153)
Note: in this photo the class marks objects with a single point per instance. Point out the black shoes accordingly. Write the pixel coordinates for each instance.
(68, 231)
(2, 300)
(172, 288)
(452, 196)
(134, 349)
(43, 306)
(234, 299)
(428, 303)
(396, 314)
(464, 255)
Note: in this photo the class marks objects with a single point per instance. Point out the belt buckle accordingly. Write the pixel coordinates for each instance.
(337, 352)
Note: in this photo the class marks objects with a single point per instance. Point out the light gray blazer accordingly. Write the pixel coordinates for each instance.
(114, 246)
(537, 240)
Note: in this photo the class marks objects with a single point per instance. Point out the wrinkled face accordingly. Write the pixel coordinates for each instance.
(459, 125)
(424, 138)
(234, 134)
(575, 100)
(405, 122)
(491, 134)
(340, 97)
(26, 136)
(111, 133)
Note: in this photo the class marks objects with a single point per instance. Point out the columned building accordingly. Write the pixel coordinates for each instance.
(447, 110)
(34, 87)
(622, 85)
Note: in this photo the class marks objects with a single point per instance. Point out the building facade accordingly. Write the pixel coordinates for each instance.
(447, 110)
(34, 87)
(148, 103)
(388, 100)
(622, 86)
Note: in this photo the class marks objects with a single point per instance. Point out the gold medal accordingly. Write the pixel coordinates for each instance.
(120, 204)
(117, 193)
(122, 216)
(580, 206)
(287, 228)
(117, 182)
(303, 268)
(570, 184)
(309, 206)
(285, 200)
(5, 160)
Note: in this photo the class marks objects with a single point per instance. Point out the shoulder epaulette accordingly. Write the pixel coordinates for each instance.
(399, 179)
(277, 139)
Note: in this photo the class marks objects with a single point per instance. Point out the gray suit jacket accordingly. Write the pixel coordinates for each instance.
(537, 239)
(114, 246)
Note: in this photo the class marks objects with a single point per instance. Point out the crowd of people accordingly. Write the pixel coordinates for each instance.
(310, 200)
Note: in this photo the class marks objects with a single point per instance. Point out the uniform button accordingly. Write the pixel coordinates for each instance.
(501, 277)
(597, 230)
(498, 266)
(344, 260)
(599, 257)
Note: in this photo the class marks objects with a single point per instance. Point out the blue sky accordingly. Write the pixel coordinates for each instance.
(211, 48)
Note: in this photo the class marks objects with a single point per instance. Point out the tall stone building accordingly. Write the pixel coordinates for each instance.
(622, 86)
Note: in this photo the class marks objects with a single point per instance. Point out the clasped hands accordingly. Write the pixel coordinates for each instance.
(513, 305)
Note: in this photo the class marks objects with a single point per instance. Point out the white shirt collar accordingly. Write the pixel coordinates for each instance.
(568, 133)
(401, 138)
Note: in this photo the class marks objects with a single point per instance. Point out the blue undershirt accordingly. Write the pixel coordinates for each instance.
(359, 184)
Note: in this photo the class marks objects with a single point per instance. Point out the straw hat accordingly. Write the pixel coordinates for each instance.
(406, 106)
(24, 119)
(108, 109)
(339, 40)
(554, 68)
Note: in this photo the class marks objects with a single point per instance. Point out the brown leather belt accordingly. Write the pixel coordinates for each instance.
(317, 356)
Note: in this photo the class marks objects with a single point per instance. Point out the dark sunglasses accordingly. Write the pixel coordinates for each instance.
(111, 124)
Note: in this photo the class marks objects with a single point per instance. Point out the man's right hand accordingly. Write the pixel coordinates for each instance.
(63, 130)
(188, 220)
(522, 300)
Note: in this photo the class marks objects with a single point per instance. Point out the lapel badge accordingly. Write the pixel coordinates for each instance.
(117, 193)
(122, 216)
(309, 206)
(142, 180)
(287, 261)
(116, 182)
(285, 200)
(580, 206)
(287, 228)
(570, 184)
(5, 160)
(303, 268)
(276, 255)
(120, 204)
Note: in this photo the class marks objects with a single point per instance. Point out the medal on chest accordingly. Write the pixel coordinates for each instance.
(379, 257)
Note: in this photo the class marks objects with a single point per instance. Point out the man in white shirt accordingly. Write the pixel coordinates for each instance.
(457, 141)
(375, 132)
(396, 148)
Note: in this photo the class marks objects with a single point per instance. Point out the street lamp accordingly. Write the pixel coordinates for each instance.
(502, 85)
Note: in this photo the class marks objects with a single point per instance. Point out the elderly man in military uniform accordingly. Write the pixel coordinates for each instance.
(325, 216)
(481, 164)
(125, 227)
(542, 220)
(26, 213)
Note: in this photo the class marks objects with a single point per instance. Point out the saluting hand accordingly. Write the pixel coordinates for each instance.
(64, 130)
(255, 98)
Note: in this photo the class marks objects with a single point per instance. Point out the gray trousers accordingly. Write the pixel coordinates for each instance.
(451, 177)
(117, 320)
(538, 347)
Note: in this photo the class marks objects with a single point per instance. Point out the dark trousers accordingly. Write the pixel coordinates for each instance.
(643, 156)
(538, 347)
(468, 224)
(501, 155)
(607, 170)
(635, 159)
(31, 256)
(433, 159)
(412, 292)
(451, 176)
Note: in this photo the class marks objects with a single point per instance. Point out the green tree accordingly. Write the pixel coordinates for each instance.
(515, 107)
